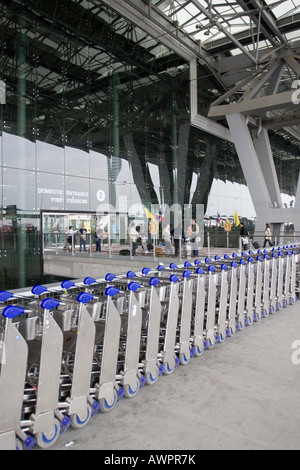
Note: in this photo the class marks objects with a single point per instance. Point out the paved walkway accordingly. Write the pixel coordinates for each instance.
(244, 394)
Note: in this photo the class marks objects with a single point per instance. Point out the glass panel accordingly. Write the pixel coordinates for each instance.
(77, 162)
(50, 191)
(19, 189)
(49, 157)
(99, 195)
(18, 152)
(77, 194)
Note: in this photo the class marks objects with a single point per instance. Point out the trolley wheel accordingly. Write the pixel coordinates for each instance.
(104, 406)
(221, 338)
(150, 379)
(183, 359)
(19, 444)
(198, 351)
(45, 442)
(210, 344)
(77, 423)
(129, 393)
(169, 368)
(257, 317)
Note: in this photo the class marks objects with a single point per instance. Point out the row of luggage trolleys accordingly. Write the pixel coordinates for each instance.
(68, 352)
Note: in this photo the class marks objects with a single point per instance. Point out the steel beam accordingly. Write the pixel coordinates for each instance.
(255, 106)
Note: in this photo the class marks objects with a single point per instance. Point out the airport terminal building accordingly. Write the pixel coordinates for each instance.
(114, 106)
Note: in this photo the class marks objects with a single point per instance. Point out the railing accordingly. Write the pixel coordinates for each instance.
(155, 248)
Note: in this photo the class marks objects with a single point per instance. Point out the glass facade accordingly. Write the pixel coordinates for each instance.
(96, 114)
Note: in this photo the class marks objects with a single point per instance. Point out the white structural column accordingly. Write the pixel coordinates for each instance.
(297, 209)
(265, 157)
(250, 163)
(259, 171)
(256, 158)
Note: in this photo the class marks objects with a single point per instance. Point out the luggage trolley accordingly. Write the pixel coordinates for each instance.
(107, 390)
(13, 364)
(153, 313)
(41, 416)
(105, 310)
(184, 339)
(232, 310)
(288, 299)
(198, 286)
(211, 287)
(221, 301)
(258, 288)
(222, 331)
(184, 346)
(78, 348)
(293, 296)
(150, 365)
(170, 312)
(249, 317)
(240, 325)
(280, 298)
(266, 308)
(210, 315)
(129, 375)
(152, 368)
(274, 279)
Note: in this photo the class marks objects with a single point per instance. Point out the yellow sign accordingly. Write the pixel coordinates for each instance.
(236, 218)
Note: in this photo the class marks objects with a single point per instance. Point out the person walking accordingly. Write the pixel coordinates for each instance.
(179, 237)
(166, 235)
(268, 236)
(98, 238)
(83, 234)
(133, 236)
(193, 235)
(244, 237)
(71, 238)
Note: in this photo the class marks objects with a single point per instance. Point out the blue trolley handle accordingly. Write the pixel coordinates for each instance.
(112, 291)
(12, 312)
(154, 281)
(134, 286)
(89, 281)
(84, 297)
(38, 290)
(49, 304)
(67, 284)
(4, 296)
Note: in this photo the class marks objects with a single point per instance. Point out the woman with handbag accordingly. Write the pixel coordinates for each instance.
(193, 235)
(268, 236)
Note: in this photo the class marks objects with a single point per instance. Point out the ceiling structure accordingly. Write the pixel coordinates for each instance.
(225, 26)
(237, 42)
(253, 45)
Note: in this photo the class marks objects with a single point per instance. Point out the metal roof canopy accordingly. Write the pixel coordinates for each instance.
(224, 26)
